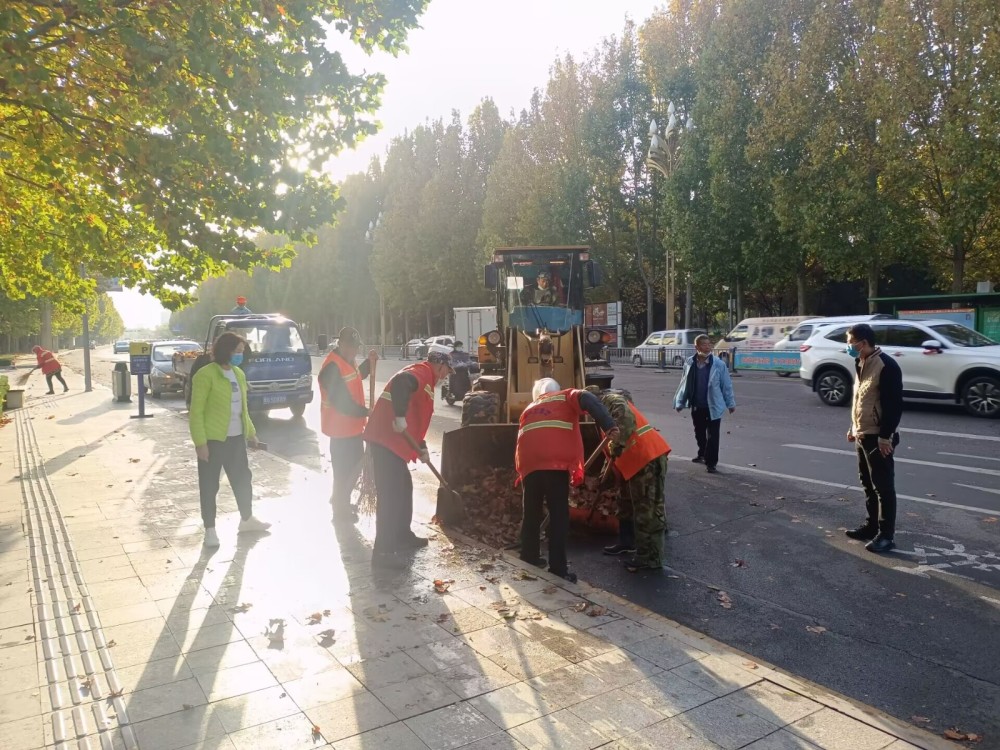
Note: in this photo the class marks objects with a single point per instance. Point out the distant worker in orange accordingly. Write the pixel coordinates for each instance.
(50, 367)
(343, 416)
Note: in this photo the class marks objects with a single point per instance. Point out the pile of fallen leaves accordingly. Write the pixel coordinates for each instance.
(493, 504)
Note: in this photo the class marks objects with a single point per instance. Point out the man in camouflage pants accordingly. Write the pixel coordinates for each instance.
(640, 460)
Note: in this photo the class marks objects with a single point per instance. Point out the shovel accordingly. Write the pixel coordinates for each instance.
(590, 461)
(447, 497)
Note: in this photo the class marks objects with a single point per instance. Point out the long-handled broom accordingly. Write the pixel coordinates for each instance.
(23, 379)
(366, 496)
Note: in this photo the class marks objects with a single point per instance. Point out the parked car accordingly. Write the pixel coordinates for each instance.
(420, 347)
(939, 360)
(162, 377)
(804, 330)
(679, 345)
(121, 347)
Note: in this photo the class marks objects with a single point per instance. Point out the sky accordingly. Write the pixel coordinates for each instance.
(464, 51)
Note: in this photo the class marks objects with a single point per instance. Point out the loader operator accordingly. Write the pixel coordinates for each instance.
(639, 459)
(343, 416)
(543, 293)
(548, 458)
(405, 406)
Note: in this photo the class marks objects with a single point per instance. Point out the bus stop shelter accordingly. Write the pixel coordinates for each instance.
(977, 310)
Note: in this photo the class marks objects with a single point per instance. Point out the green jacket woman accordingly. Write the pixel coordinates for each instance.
(221, 429)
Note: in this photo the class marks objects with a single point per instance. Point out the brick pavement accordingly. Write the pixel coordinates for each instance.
(117, 630)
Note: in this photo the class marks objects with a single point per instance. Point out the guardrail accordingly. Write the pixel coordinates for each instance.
(666, 357)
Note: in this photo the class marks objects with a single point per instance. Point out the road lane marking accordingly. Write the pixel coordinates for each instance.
(848, 487)
(968, 455)
(935, 464)
(962, 435)
(975, 487)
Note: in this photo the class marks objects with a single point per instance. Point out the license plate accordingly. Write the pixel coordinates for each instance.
(276, 399)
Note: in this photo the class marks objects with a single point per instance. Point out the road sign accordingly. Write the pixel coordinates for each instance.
(140, 360)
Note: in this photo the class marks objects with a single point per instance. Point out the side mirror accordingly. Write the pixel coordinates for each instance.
(595, 273)
(490, 276)
(932, 344)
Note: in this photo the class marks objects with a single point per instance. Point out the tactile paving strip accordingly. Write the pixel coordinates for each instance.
(84, 692)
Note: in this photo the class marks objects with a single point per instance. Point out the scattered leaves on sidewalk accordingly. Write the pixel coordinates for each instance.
(523, 575)
(76, 607)
(241, 608)
(724, 600)
(738, 563)
(188, 706)
(441, 585)
(990, 519)
(954, 733)
(51, 416)
(316, 732)
(443, 617)
(134, 460)
(317, 617)
(920, 719)
(112, 643)
(550, 590)
(590, 609)
(751, 665)
(817, 629)
(117, 693)
(485, 566)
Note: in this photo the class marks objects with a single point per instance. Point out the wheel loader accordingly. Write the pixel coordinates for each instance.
(540, 333)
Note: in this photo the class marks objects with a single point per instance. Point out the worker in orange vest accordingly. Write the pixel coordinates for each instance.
(548, 459)
(405, 406)
(343, 416)
(640, 460)
(50, 367)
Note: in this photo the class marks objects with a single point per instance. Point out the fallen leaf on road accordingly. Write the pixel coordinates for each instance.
(51, 416)
(523, 575)
(549, 590)
(315, 618)
(117, 693)
(597, 611)
(779, 497)
(134, 460)
(920, 720)
(441, 585)
(112, 643)
(750, 665)
(443, 617)
(315, 730)
(816, 629)
(579, 607)
(738, 563)
(775, 626)
(76, 607)
(954, 733)
(990, 519)
(724, 600)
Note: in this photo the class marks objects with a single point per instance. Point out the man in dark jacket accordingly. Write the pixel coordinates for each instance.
(875, 413)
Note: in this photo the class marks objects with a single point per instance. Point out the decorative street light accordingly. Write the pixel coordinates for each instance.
(663, 156)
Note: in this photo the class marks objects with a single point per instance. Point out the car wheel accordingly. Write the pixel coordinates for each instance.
(637, 361)
(981, 397)
(833, 388)
(298, 410)
(155, 394)
(784, 374)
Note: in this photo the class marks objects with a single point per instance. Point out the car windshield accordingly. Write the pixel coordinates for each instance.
(165, 352)
(270, 338)
(959, 335)
(543, 290)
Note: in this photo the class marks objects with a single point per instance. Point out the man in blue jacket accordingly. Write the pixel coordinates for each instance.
(707, 388)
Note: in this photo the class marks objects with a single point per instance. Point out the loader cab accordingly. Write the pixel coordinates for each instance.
(541, 289)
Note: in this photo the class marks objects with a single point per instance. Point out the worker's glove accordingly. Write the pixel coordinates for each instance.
(399, 424)
(425, 455)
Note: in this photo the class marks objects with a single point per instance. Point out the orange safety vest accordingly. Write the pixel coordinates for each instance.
(418, 413)
(47, 361)
(644, 445)
(332, 422)
(549, 438)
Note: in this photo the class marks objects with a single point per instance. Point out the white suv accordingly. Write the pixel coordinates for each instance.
(939, 360)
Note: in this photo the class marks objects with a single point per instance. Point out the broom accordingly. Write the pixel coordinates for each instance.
(23, 379)
(366, 496)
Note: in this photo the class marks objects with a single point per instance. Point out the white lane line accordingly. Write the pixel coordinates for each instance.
(968, 455)
(849, 487)
(935, 464)
(976, 487)
(962, 435)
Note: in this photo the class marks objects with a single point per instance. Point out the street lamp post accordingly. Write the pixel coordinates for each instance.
(370, 236)
(663, 156)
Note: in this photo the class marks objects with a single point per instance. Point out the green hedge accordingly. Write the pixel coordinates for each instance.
(4, 387)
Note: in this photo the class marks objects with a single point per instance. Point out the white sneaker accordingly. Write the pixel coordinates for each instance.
(253, 525)
(211, 538)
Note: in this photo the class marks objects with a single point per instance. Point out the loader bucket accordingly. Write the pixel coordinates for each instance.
(485, 446)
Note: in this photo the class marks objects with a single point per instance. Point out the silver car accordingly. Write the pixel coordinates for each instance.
(162, 378)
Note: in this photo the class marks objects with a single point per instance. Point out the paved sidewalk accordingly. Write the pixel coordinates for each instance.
(117, 630)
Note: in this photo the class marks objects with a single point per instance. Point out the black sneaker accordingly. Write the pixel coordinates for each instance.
(698, 460)
(880, 544)
(863, 533)
(620, 549)
(412, 541)
(571, 577)
(50, 393)
(711, 470)
(634, 565)
(538, 562)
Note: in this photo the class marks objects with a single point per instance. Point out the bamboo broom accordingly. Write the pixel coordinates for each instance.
(23, 379)
(366, 496)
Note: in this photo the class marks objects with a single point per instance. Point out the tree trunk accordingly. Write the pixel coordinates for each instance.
(800, 284)
(873, 275)
(429, 326)
(739, 301)
(957, 267)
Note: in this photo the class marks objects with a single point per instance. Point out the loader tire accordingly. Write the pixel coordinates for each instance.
(480, 407)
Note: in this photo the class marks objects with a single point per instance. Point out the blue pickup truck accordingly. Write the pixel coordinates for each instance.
(275, 361)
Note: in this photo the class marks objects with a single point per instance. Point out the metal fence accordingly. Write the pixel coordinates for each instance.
(659, 357)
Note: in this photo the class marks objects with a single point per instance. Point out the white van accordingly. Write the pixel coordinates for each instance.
(678, 343)
(804, 330)
(759, 334)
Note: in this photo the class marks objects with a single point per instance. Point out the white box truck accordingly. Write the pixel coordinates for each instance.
(473, 322)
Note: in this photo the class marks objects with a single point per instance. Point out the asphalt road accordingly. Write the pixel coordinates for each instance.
(912, 633)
